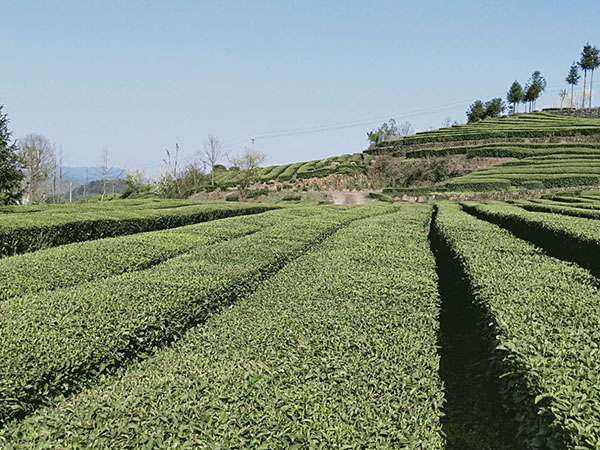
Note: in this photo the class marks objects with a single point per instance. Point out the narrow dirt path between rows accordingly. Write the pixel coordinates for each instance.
(474, 417)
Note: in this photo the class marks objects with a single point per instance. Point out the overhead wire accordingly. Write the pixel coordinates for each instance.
(358, 122)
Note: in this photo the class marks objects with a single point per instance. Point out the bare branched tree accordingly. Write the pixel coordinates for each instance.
(53, 173)
(36, 154)
(562, 95)
(105, 171)
(405, 128)
(192, 173)
(59, 163)
(248, 162)
(212, 153)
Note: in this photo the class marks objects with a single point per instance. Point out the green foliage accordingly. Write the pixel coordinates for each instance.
(476, 112)
(288, 173)
(63, 224)
(338, 350)
(573, 76)
(478, 185)
(479, 111)
(494, 108)
(416, 190)
(381, 197)
(291, 197)
(515, 95)
(11, 174)
(113, 320)
(254, 193)
(73, 264)
(547, 359)
(533, 125)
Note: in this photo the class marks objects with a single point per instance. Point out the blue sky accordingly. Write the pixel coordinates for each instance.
(135, 77)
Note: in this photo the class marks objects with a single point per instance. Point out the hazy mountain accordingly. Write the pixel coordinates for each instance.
(81, 174)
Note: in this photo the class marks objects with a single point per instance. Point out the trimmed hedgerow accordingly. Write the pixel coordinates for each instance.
(569, 209)
(254, 193)
(52, 342)
(415, 190)
(72, 264)
(21, 233)
(573, 238)
(338, 350)
(291, 197)
(532, 184)
(534, 125)
(478, 184)
(541, 317)
(274, 173)
(289, 172)
(503, 180)
(510, 149)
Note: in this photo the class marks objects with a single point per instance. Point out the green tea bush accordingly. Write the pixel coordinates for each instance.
(53, 342)
(21, 233)
(573, 238)
(338, 350)
(77, 263)
(478, 184)
(540, 316)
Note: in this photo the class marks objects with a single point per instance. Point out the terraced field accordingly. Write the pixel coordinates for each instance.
(343, 165)
(411, 326)
(532, 125)
(553, 151)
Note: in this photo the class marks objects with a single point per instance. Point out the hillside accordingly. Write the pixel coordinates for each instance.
(348, 164)
(547, 150)
(539, 150)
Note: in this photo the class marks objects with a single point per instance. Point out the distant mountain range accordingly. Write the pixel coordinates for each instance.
(83, 174)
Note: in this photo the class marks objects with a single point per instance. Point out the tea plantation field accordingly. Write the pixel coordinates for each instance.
(177, 324)
(553, 151)
(356, 163)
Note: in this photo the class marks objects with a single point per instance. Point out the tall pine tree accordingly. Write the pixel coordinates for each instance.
(573, 78)
(10, 167)
(585, 62)
(515, 95)
(594, 64)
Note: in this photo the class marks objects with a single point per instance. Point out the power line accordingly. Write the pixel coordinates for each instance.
(360, 122)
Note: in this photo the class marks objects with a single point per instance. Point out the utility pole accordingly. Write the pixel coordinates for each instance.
(253, 144)
(85, 185)
(70, 191)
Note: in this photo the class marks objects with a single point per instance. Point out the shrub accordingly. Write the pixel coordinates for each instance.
(53, 227)
(121, 318)
(544, 359)
(310, 359)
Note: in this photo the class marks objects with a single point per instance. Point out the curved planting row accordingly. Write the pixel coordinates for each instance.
(541, 318)
(529, 180)
(509, 149)
(337, 350)
(534, 125)
(343, 164)
(21, 233)
(53, 342)
(76, 263)
(572, 238)
(569, 209)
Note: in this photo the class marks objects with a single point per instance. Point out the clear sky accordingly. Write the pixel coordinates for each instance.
(135, 77)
